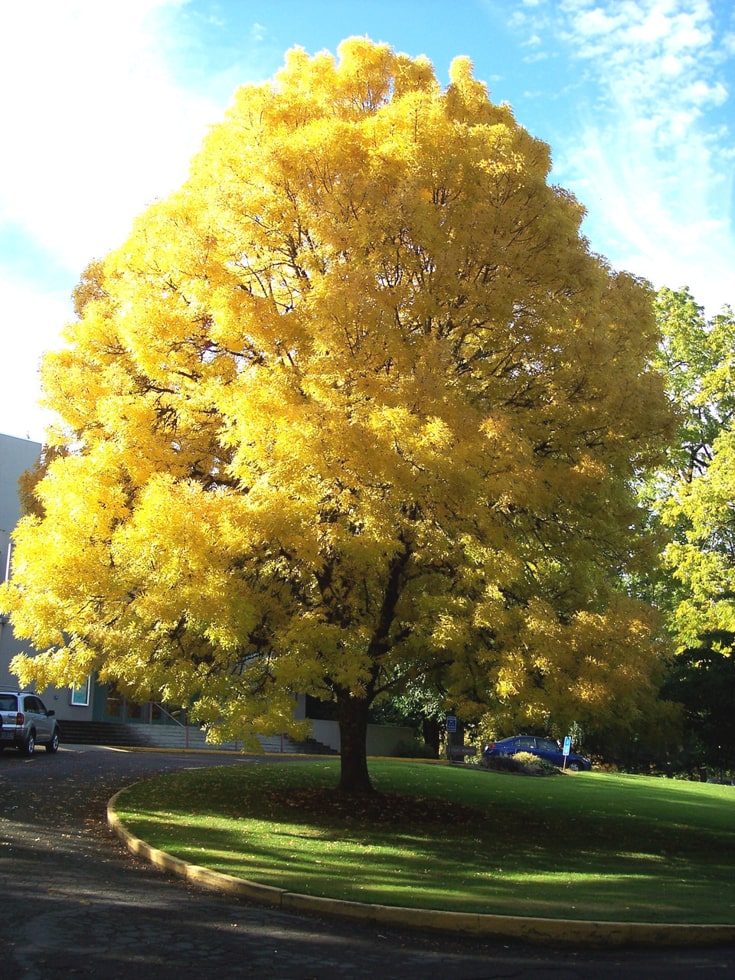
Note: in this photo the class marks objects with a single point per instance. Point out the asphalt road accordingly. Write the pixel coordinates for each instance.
(75, 903)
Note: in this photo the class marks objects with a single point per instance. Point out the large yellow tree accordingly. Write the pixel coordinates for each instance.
(354, 408)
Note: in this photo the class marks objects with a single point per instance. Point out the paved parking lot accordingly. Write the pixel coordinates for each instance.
(74, 903)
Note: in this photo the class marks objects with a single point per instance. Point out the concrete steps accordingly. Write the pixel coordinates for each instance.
(101, 733)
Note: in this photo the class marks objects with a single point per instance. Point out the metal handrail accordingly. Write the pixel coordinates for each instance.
(181, 724)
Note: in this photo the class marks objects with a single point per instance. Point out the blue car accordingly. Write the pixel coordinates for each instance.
(544, 748)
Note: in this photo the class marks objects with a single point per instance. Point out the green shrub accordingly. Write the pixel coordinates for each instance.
(522, 762)
(534, 766)
(413, 750)
(500, 763)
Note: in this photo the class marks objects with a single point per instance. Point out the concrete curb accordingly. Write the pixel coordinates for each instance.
(478, 925)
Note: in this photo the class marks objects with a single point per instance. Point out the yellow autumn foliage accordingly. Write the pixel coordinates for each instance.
(355, 406)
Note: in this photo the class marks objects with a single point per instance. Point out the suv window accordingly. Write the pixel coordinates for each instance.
(8, 702)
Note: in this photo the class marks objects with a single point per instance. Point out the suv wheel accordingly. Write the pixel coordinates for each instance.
(29, 746)
(53, 745)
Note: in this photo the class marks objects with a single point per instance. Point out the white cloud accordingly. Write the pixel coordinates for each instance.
(94, 127)
(31, 325)
(653, 166)
(654, 27)
(596, 23)
(701, 93)
(96, 124)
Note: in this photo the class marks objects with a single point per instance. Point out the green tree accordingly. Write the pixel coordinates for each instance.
(691, 355)
(695, 493)
(422, 707)
(693, 497)
(702, 680)
(354, 408)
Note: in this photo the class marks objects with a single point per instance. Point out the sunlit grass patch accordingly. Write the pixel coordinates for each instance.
(582, 846)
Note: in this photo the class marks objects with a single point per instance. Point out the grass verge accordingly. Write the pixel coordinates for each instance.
(581, 846)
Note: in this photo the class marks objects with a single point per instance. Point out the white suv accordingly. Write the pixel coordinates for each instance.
(25, 722)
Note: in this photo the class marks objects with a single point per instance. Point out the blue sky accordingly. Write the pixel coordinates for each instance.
(104, 104)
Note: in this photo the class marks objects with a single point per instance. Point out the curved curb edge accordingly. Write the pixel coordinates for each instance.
(476, 924)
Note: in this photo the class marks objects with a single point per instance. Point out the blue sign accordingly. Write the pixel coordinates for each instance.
(567, 745)
(451, 723)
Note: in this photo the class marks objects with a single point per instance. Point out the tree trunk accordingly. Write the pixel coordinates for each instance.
(353, 716)
(432, 734)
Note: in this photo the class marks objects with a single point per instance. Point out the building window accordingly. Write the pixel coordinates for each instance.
(80, 694)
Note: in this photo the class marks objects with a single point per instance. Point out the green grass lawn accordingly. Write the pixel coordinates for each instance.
(578, 846)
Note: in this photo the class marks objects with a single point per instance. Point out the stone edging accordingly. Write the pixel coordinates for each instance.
(526, 929)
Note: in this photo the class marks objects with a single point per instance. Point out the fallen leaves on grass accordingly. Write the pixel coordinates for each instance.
(374, 808)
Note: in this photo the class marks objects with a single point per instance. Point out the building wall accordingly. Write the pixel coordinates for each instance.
(16, 456)
(381, 739)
